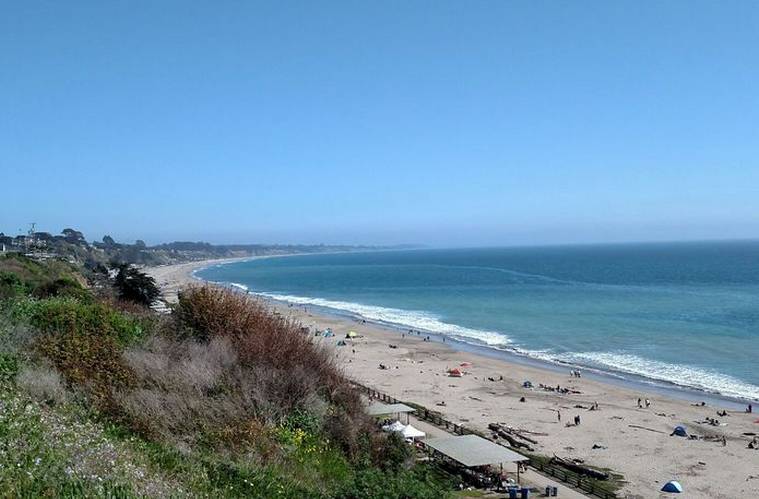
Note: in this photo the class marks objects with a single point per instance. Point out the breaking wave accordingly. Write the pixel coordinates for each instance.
(607, 362)
(239, 286)
(678, 374)
(412, 319)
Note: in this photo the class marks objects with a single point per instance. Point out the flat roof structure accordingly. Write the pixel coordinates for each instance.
(473, 450)
(382, 409)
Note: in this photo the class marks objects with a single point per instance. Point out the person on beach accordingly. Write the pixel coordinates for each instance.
(640, 406)
(749, 409)
(648, 403)
(558, 415)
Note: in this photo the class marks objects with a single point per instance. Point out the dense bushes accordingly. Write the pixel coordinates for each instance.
(11, 285)
(20, 276)
(84, 342)
(63, 287)
(289, 372)
(232, 397)
(65, 315)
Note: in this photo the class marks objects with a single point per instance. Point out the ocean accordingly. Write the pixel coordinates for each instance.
(677, 313)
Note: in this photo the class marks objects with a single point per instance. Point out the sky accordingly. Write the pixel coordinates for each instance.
(444, 123)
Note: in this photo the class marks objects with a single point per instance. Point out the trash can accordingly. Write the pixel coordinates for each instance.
(548, 491)
(554, 491)
(524, 493)
(512, 493)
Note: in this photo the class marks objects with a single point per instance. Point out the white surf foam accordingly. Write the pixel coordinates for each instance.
(608, 362)
(239, 286)
(412, 319)
(679, 374)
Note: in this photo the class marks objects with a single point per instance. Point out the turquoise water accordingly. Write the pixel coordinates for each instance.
(685, 313)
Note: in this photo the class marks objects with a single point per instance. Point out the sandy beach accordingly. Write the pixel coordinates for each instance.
(633, 441)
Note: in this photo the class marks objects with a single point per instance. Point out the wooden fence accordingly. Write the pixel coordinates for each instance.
(570, 478)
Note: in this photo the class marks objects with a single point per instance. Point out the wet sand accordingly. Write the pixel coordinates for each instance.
(633, 441)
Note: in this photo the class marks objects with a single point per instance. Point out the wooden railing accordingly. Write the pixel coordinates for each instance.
(573, 480)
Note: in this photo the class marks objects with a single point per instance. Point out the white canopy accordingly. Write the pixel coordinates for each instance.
(411, 432)
(397, 426)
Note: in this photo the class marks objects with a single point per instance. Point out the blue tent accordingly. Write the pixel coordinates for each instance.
(672, 486)
(680, 431)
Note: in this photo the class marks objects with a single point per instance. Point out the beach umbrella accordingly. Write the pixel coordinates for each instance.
(672, 486)
(351, 334)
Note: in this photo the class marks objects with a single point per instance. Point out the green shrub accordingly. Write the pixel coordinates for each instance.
(8, 366)
(11, 285)
(21, 276)
(84, 342)
(419, 483)
(62, 287)
(58, 315)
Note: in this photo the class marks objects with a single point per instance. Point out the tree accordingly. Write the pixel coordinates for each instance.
(136, 286)
(73, 236)
(109, 242)
(140, 244)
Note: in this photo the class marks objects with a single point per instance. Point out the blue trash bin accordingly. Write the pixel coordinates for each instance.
(554, 491)
(512, 493)
(524, 493)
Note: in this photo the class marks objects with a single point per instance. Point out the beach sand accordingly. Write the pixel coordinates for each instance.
(633, 441)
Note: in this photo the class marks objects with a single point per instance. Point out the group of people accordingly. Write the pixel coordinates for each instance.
(641, 402)
(712, 421)
(558, 388)
(575, 373)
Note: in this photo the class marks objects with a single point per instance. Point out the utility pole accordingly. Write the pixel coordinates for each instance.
(30, 236)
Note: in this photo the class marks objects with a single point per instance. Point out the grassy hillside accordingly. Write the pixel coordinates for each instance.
(222, 398)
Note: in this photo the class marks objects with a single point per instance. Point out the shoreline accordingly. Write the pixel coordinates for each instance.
(512, 354)
(621, 379)
(620, 436)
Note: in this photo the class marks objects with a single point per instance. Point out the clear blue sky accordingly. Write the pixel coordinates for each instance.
(448, 123)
